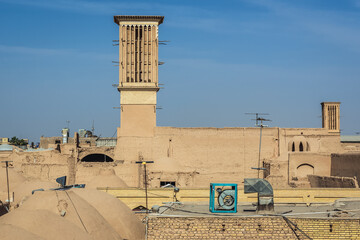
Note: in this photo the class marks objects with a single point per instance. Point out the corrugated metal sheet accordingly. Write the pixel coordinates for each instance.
(106, 142)
(353, 138)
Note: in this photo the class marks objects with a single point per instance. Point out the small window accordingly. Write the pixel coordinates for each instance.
(293, 147)
(57, 141)
(301, 147)
(165, 184)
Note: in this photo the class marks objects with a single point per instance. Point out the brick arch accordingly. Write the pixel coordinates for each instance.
(304, 169)
(108, 151)
(97, 157)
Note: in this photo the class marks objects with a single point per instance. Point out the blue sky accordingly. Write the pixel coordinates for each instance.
(225, 58)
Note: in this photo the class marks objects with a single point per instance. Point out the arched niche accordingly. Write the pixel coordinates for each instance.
(304, 169)
(97, 157)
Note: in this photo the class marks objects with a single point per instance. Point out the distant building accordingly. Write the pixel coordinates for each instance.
(4, 140)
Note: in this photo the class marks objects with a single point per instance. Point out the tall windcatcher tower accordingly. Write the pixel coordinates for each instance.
(138, 73)
(331, 116)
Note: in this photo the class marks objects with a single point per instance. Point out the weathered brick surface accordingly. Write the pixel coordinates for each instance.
(250, 228)
(218, 228)
(329, 228)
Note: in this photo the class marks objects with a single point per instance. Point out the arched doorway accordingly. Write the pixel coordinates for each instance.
(97, 157)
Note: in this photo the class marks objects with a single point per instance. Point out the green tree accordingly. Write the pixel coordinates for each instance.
(18, 142)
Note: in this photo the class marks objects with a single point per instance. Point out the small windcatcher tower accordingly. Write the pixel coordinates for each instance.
(331, 116)
(138, 73)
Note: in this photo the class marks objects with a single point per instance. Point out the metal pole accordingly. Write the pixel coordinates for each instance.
(261, 127)
(7, 178)
(145, 181)
(146, 197)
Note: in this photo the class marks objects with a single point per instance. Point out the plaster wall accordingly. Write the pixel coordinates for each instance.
(44, 165)
(137, 120)
(351, 147)
(197, 156)
(303, 164)
(193, 157)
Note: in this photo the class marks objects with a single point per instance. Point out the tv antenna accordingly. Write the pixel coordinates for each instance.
(260, 120)
(115, 42)
(68, 124)
(163, 42)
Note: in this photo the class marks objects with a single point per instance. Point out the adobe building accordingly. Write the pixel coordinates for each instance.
(189, 157)
(197, 156)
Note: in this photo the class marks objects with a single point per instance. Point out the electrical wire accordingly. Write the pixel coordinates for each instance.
(289, 223)
(76, 211)
(255, 215)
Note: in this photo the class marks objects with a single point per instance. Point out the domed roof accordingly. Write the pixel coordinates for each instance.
(115, 212)
(15, 179)
(44, 224)
(10, 232)
(6, 147)
(73, 209)
(24, 190)
(106, 178)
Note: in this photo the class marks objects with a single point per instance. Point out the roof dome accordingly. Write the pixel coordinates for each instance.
(106, 178)
(71, 207)
(15, 179)
(43, 224)
(115, 212)
(10, 232)
(24, 190)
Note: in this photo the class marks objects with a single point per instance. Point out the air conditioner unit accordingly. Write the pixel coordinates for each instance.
(223, 197)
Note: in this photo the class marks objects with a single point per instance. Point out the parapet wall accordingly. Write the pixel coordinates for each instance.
(134, 197)
(345, 165)
(251, 228)
(332, 182)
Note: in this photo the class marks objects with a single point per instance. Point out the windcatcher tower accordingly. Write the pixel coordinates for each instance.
(331, 116)
(138, 73)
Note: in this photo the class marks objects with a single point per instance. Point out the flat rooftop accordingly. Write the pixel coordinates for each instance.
(343, 208)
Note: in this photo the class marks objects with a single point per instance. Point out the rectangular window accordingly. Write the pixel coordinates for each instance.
(165, 184)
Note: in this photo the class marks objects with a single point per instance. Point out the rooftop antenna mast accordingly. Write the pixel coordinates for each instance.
(93, 128)
(7, 166)
(259, 122)
(143, 162)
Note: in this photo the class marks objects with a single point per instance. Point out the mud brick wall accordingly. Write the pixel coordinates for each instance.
(251, 228)
(218, 228)
(329, 228)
